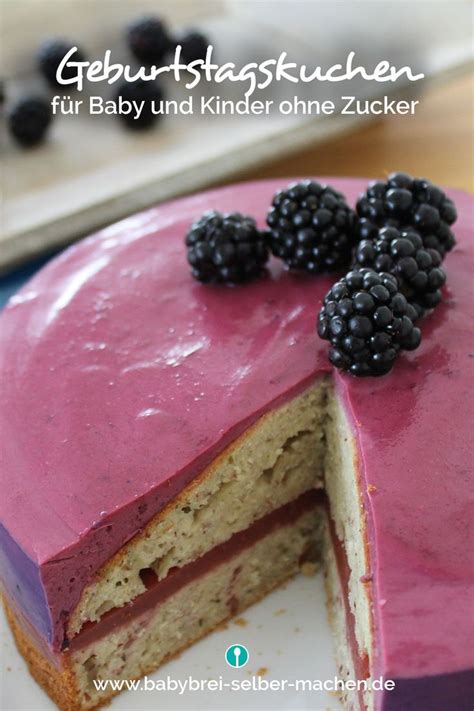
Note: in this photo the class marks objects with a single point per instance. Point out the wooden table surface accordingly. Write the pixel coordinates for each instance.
(436, 143)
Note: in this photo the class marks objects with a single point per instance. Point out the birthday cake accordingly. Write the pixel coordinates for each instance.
(172, 451)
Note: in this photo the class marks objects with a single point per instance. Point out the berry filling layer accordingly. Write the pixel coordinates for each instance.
(158, 591)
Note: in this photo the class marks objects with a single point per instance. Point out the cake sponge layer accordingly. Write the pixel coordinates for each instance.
(278, 459)
(344, 489)
(338, 607)
(142, 644)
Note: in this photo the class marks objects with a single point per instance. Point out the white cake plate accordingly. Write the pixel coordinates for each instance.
(287, 635)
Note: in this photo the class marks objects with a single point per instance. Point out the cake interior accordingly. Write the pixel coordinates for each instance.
(250, 521)
(273, 463)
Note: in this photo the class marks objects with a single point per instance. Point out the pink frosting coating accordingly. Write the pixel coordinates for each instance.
(122, 377)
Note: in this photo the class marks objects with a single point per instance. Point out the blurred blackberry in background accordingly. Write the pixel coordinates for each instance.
(311, 227)
(193, 46)
(367, 321)
(403, 201)
(140, 90)
(402, 253)
(51, 54)
(29, 119)
(226, 248)
(149, 40)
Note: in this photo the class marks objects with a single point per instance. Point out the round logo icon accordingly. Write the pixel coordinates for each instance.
(236, 655)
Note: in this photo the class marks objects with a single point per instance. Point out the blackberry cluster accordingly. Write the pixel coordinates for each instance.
(311, 227)
(404, 201)
(193, 46)
(149, 40)
(51, 54)
(368, 321)
(402, 254)
(29, 120)
(140, 90)
(226, 248)
(369, 315)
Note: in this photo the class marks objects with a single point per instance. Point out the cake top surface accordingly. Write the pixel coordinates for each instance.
(123, 377)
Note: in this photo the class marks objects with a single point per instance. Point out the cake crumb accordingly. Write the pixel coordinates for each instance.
(279, 612)
(262, 671)
(241, 622)
(308, 569)
(371, 488)
(366, 578)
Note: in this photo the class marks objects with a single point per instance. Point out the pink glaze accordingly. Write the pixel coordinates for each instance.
(122, 377)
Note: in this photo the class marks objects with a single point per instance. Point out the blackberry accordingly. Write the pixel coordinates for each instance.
(226, 248)
(140, 90)
(193, 46)
(403, 201)
(367, 321)
(402, 253)
(51, 54)
(311, 227)
(149, 40)
(29, 119)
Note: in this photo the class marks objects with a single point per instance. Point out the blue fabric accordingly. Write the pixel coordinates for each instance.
(10, 284)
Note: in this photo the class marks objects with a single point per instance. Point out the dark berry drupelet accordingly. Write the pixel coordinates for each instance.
(193, 46)
(149, 40)
(311, 227)
(140, 90)
(50, 55)
(29, 119)
(226, 248)
(403, 201)
(367, 321)
(402, 253)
